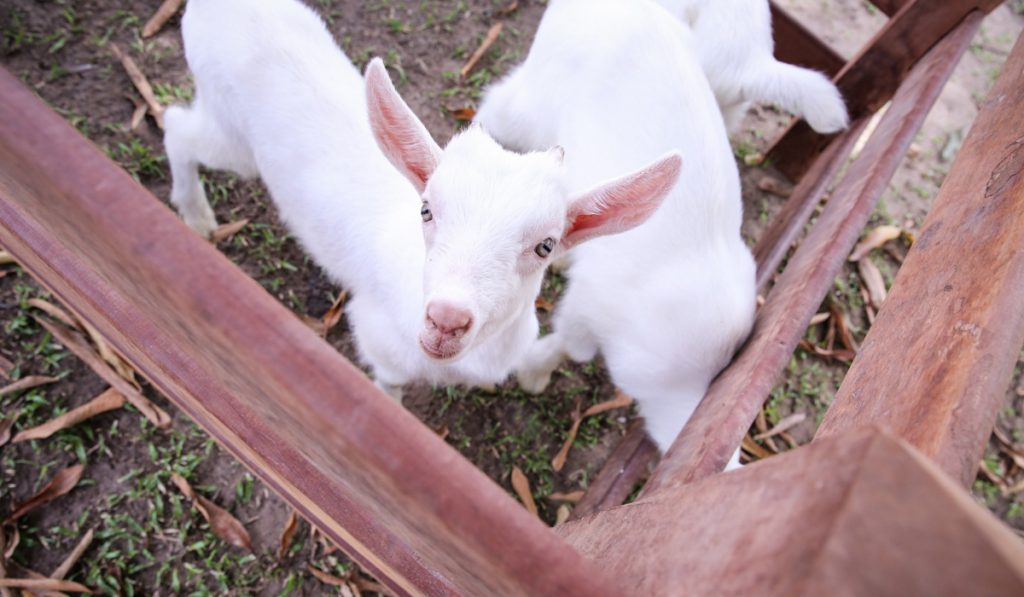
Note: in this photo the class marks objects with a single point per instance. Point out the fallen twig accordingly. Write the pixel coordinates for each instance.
(161, 16)
(141, 84)
(489, 39)
(26, 383)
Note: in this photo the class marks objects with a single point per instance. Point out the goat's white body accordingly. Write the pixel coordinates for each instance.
(277, 98)
(735, 45)
(669, 302)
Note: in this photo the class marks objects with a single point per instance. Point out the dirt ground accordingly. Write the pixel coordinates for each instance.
(147, 537)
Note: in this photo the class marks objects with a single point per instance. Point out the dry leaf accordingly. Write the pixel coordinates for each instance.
(621, 400)
(753, 159)
(70, 561)
(161, 16)
(842, 328)
(141, 84)
(367, 586)
(226, 231)
(837, 353)
(819, 318)
(55, 312)
(875, 239)
(107, 401)
(44, 584)
(785, 424)
(772, 185)
(522, 488)
(562, 514)
(509, 9)
(13, 542)
(543, 304)
(754, 449)
(327, 579)
(74, 342)
(762, 425)
(999, 482)
(62, 482)
(333, 315)
(873, 280)
(6, 258)
(5, 427)
(138, 116)
(464, 114)
(489, 39)
(572, 496)
(287, 535)
(107, 354)
(26, 383)
(442, 432)
(223, 524)
(563, 453)
(5, 367)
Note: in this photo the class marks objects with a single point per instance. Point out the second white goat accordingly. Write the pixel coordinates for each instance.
(668, 302)
(443, 250)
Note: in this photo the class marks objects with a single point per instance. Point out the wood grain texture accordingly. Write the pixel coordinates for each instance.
(627, 466)
(935, 365)
(870, 79)
(789, 223)
(717, 426)
(795, 44)
(856, 514)
(379, 483)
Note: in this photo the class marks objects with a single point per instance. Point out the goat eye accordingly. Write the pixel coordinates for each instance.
(425, 212)
(544, 248)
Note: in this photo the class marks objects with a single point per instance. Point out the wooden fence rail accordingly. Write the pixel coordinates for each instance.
(380, 484)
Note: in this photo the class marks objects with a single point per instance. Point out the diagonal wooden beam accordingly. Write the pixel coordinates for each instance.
(717, 426)
(869, 80)
(368, 474)
(857, 514)
(796, 44)
(935, 365)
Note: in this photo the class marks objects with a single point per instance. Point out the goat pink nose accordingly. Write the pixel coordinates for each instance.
(449, 319)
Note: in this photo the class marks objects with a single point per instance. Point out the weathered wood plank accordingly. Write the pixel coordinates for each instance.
(787, 225)
(626, 467)
(934, 367)
(857, 514)
(795, 44)
(376, 481)
(869, 80)
(716, 428)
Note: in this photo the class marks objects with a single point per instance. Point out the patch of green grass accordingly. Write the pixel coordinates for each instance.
(138, 159)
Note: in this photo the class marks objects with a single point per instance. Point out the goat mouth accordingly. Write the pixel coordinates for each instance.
(439, 354)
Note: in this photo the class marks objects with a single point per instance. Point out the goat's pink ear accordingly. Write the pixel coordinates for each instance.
(400, 134)
(623, 203)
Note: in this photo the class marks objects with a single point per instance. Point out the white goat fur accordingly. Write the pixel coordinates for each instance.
(736, 49)
(349, 167)
(667, 303)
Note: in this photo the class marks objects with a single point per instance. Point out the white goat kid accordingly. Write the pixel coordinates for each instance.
(667, 303)
(736, 49)
(358, 180)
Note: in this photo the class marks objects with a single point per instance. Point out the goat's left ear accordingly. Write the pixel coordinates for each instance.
(399, 133)
(623, 203)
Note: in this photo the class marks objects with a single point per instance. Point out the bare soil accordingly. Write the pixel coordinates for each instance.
(148, 539)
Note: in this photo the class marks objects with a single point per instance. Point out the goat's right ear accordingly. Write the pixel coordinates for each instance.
(399, 133)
